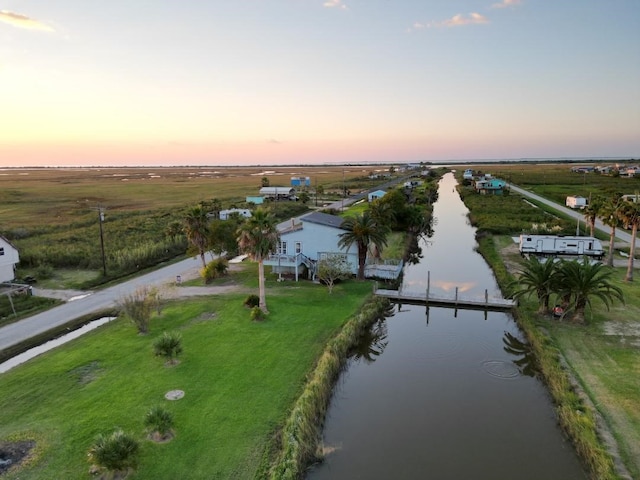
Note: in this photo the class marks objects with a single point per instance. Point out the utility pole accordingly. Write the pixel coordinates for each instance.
(100, 222)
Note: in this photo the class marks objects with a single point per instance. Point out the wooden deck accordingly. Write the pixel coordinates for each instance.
(455, 301)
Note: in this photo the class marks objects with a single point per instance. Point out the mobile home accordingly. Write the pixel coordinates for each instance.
(553, 245)
(576, 201)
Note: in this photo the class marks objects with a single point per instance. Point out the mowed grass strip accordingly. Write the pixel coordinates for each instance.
(240, 379)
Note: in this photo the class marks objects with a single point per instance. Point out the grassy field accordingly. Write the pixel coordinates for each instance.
(52, 215)
(240, 379)
(604, 355)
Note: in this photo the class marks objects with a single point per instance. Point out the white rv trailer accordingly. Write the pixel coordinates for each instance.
(576, 201)
(554, 245)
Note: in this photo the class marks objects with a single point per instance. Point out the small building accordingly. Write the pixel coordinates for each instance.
(278, 193)
(412, 183)
(375, 195)
(576, 201)
(9, 258)
(468, 174)
(490, 185)
(242, 212)
(255, 200)
(635, 198)
(559, 246)
(300, 181)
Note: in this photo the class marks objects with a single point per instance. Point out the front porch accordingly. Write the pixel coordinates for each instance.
(291, 264)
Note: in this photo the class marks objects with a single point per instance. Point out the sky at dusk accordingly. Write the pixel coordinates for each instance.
(232, 82)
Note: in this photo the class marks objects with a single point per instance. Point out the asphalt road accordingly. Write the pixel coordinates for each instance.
(17, 332)
(577, 214)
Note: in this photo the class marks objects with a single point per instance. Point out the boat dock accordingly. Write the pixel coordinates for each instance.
(454, 301)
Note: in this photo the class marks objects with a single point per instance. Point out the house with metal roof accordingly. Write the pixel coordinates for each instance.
(306, 240)
(9, 258)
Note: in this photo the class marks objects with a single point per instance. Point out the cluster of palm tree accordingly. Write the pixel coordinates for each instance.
(572, 283)
(615, 212)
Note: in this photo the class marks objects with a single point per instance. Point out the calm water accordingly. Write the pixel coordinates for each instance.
(449, 395)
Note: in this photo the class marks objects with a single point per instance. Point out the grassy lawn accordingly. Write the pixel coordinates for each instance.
(605, 357)
(240, 379)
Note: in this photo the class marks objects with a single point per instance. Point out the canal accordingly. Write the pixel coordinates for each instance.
(444, 393)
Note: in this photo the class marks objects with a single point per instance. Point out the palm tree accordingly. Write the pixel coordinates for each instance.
(582, 281)
(537, 278)
(630, 216)
(591, 212)
(116, 453)
(196, 227)
(258, 236)
(610, 216)
(363, 230)
(169, 346)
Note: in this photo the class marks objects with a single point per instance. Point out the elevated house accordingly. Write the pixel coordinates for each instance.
(300, 181)
(468, 174)
(306, 240)
(490, 185)
(9, 258)
(278, 193)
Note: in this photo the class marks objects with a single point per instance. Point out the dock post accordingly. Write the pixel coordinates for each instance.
(428, 287)
(456, 297)
(486, 297)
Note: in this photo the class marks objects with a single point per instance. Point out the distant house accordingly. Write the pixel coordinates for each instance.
(375, 195)
(243, 212)
(9, 257)
(635, 198)
(468, 174)
(300, 181)
(576, 201)
(255, 200)
(278, 193)
(490, 185)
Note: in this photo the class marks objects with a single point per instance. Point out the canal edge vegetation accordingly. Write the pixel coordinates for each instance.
(298, 444)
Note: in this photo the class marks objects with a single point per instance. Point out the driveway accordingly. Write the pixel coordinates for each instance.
(80, 303)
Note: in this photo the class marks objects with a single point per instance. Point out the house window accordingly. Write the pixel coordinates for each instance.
(282, 248)
(1, 251)
(298, 246)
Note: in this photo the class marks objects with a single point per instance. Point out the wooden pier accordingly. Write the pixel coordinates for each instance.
(453, 301)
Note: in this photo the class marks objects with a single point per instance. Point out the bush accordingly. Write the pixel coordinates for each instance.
(138, 307)
(257, 315)
(160, 422)
(115, 453)
(252, 301)
(215, 269)
(169, 346)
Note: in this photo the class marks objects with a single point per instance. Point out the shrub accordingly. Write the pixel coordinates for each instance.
(160, 422)
(252, 301)
(257, 315)
(115, 453)
(169, 346)
(214, 269)
(138, 307)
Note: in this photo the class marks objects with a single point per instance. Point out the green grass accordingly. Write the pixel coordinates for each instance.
(240, 380)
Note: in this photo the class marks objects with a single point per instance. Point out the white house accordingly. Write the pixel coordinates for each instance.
(306, 240)
(468, 174)
(8, 259)
(375, 195)
(243, 212)
(576, 201)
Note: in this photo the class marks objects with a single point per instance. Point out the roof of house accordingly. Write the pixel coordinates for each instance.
(377, 192)
(324, 219)
(2, 237)
(276, 190)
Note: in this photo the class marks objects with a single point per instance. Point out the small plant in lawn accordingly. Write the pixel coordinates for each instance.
(257, 314)
(159, 422)
(116, 453)
(252, 301)
(138, 306)
(169, 346)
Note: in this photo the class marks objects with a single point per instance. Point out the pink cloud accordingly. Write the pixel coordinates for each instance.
(334, 3)
(22, 21)
(506, 3)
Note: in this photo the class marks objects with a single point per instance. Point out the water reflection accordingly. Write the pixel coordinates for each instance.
(374, 340)
(527, 363)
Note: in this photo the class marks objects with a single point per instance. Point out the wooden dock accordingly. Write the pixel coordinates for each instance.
(454, 301)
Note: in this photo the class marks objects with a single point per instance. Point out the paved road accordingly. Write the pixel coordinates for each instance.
(24, 329)
(620, 234)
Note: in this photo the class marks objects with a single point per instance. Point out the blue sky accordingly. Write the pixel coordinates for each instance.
(306, 81)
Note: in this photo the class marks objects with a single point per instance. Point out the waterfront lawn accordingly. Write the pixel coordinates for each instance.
(240, 379)
(605, 357)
